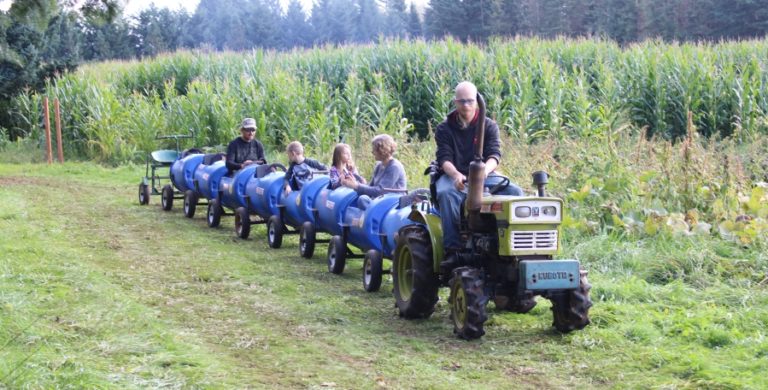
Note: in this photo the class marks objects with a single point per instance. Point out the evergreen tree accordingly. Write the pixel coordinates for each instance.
(333, 21)
(414, 26)
(296, 29)
(445, 17)
(396, 18)
(368, 21)
(60, 50)
(503, 19)
(148, 33)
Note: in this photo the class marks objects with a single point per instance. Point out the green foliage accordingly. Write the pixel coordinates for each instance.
(536, 89)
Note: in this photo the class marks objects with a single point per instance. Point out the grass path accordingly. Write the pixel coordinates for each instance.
(97, 291)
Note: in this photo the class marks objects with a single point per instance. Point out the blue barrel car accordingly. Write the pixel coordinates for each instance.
(205, 182)
(182, 177)
(372, 231)
(263, 195)
(298, 211)
(231, 195)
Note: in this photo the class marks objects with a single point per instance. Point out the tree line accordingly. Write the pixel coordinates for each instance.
(40, 39)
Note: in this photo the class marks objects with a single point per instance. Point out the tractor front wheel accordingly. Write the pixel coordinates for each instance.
(413, 276)
(337, 255)
(570, 310)
(143, 194)
(468, 302)
(275, 230)
(214, 213)
(242, 223)
(167, 198)
(307, 240)
(190, 203)
(372, 270)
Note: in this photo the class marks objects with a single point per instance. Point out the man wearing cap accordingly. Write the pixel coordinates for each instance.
(245, 149)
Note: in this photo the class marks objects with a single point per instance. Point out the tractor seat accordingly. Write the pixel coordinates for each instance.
(165, 156)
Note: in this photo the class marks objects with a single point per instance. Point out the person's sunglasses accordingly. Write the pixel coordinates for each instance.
(250, 130)
(465, 102)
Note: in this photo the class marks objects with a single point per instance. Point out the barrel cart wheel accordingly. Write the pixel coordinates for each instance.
(275, 229)
(214, 213)
(242, 222)
(307, 240)
(167, 197)
(190, 203)
(372, 270)
(337, 255)
(143, 193)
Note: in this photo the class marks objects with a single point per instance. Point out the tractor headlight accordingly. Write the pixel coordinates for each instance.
(522, 211)
(549, 211)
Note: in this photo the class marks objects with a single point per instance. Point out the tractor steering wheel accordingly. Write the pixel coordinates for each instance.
(502, 185)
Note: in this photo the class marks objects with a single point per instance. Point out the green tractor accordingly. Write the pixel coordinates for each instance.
(510, 244)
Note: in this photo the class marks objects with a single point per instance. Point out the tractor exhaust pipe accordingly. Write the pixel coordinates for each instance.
(476, 178)
(540, 180)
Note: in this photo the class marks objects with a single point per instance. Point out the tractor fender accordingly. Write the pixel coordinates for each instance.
(435, 230)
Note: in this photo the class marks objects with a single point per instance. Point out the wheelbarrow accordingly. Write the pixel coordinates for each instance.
(158, 167)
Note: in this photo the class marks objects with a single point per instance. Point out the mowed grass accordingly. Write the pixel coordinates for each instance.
(97, 291)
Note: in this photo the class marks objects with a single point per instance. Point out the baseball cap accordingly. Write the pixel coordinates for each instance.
(248, 123)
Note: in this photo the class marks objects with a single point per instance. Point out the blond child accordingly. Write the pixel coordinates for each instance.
(300, 168)
(343, 167)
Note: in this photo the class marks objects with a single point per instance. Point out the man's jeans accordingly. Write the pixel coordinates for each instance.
(450, 199)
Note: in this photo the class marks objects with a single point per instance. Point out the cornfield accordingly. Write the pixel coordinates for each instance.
(536, 89)
(654, 138)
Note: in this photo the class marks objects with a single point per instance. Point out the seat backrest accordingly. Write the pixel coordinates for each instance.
(263, 170)
(212, 158)
(415, 196)
(191, 151)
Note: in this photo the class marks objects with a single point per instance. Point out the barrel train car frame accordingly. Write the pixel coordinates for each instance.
(397, 227)
(255, 195)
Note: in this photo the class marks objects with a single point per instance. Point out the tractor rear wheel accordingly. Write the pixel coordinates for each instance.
(372, 270)
(415, 281)
(468, 302)
(143, 194)
(167, 198)
(570, 310)
(307, 240)
(275, 230)
(190, 203)
(214, 213)
(242, 223)
(337, 255)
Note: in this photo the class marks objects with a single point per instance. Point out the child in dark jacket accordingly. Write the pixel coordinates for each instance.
(300, 168)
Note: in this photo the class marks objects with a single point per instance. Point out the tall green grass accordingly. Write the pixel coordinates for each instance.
(536, 89)
(598, 117)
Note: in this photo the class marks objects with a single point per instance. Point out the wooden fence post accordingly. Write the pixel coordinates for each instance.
(47, 124)
(59, 140)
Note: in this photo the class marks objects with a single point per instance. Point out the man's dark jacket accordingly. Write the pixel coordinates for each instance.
(456, 145)
(240, 151)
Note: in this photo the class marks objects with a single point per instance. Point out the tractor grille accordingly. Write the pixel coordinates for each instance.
(544, 239)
